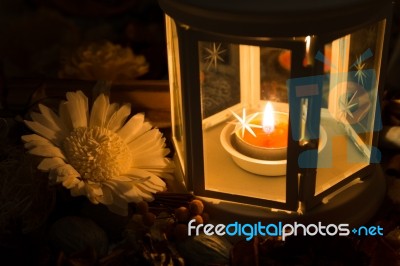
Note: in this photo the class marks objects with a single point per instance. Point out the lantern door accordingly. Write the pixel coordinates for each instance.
(345, 148)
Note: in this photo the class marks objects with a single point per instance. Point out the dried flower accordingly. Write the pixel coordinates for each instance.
(98, 154)
(104, 61)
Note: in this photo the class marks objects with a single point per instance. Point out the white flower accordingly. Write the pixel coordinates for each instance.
(104, 61)
(98, 154)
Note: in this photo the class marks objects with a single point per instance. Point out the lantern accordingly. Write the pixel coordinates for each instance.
(275, 105)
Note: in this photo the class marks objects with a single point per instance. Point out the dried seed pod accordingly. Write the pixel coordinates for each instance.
(196, 207)
(180, 232)
(182, 214)
(142, 207)
(149, 218)
(198, 219)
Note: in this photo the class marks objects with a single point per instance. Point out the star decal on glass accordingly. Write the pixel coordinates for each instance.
(347, 105)
(244, 122)
(360, 73)
(214, 55)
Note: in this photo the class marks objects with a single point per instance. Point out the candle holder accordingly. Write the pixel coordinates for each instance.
(258, 160)
(322, 78)
(272, 146)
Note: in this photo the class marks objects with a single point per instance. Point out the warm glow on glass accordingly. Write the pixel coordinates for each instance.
(268, 124)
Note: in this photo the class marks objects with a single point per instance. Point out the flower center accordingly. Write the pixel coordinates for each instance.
(97, 153)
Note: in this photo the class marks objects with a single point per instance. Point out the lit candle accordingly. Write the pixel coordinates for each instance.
(267, 139)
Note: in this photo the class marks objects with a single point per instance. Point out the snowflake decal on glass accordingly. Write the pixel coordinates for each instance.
(347, 104)
(360, 74)
(360, 66)
(354, 104)
(244, 123)
(214, 55)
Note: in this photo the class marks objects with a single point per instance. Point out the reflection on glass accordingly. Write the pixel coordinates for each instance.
(219, 76)
(275, 71)
(176, 95)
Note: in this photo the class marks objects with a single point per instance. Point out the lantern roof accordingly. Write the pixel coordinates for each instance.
(285, 18)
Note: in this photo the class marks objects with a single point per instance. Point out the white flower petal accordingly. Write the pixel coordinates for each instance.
(65, 174)
(112, 109)
(119, 117)
(148, 159)
(50, 163)
(53, 118)
(148, 163)
(71, 182)
(47, 151)
(65, 116)
(119, 205)
(152, 187)
(43, 131)
(146, 140)
(158, 143)
(145, 175)
(149, 187)
(34, 143)
(34, 137)
(122, 178)
(164, 173)
(107, 197)
(144, 156)
(99, 111)
(135, 179)
(85, 101)
(157, 150)
(134, 128)
(126, 190)
(94, 191)
(41, 119)
(119, 201)
(34, 140)
(144, 193)
(78, 189)
(168, 167)
(77, 105)
(167, 176)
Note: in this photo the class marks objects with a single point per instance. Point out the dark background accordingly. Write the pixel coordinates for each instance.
(35, 38)
(37, 35)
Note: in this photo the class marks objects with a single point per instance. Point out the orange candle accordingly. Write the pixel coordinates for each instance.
(277, 138)
(265, 137)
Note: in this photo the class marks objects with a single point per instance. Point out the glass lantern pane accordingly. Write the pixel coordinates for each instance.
(219, 77)
(275, 71)
(178, 135)
(350, 105)
(236, 82)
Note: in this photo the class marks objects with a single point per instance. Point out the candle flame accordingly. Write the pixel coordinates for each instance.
(268, 119)
(308, 43)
